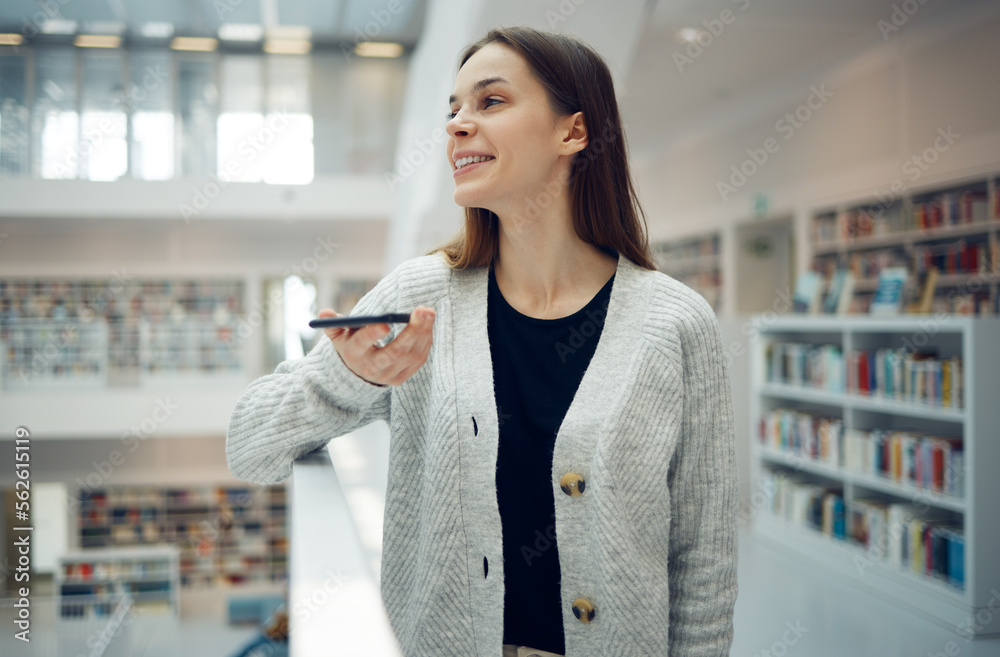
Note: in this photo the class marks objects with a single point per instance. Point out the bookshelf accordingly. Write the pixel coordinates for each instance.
(890, 488)
(124, 331)
(696, 262)
(226, 536)
(954, 228)
(89, 583)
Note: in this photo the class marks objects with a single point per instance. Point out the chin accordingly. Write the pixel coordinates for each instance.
(467, 200)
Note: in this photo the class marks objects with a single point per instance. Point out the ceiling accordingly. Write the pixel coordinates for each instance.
(331, 21)
(767, 48)
(760, 49)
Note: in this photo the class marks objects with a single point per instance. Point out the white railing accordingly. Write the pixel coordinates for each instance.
(99, 353)
(335, 606)
(53, 633)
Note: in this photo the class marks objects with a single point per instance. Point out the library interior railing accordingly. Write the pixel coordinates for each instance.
(334, 599)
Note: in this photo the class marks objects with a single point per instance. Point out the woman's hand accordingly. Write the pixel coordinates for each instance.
(389, 365)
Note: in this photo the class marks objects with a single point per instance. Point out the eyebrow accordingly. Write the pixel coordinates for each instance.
(479, 86)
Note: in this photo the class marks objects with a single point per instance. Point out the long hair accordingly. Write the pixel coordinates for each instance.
(606, 210)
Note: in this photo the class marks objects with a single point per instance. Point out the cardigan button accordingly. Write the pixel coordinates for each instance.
(583, 609)
(572, 484)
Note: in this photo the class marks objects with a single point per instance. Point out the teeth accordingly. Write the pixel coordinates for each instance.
(461, 162)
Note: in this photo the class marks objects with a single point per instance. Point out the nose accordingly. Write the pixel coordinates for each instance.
(461, 125)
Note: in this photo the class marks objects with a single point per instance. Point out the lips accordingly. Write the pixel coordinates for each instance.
(468, 164)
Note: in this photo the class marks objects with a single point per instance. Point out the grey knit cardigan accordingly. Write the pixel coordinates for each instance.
(651, 542)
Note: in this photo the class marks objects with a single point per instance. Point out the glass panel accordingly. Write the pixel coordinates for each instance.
(242, 138)
(13, 116)
(374, 96)
(290, 159)
(148, 98)
(103, 149)
(55, 122)
(198, 99)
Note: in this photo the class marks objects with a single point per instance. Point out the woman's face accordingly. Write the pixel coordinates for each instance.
(500, 112)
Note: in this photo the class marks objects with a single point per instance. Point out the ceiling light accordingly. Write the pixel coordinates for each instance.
(157, 30)
(97, 41)
(103, 27)
(240, 32)
(287, 46)
(11, 39)
(298, 32)
(689, 34)
(378, 49)
(200, 44)
(60, 26)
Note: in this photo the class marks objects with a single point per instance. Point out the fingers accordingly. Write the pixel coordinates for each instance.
(334, 332)
(389, 365)
(408, 352)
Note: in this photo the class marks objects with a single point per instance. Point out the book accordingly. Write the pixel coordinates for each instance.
(808, 289)
(889, 292)
(841, 290)
(927, 284)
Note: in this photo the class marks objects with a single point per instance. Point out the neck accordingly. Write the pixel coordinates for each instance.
(544, 269)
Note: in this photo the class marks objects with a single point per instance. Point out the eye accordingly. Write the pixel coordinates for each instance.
(488, 102)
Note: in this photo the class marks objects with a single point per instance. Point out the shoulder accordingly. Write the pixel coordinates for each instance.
(678, 317)
(425, 277)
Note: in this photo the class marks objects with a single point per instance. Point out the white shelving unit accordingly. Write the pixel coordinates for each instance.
(90, 582)
(976, 341)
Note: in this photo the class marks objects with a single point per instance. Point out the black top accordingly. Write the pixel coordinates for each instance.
(537, 367)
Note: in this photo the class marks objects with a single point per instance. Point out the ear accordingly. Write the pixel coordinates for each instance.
(574, 131)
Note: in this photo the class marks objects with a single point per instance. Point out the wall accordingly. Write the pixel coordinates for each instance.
(887, 107)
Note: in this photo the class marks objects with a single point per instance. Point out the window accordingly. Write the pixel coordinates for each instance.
(13, 116)
(56, 123)
(148, 99)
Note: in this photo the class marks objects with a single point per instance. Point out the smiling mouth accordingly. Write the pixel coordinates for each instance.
(466, 161)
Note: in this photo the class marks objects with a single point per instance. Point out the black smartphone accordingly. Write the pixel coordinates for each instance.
(359, 320)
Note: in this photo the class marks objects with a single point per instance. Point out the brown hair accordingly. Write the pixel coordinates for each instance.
(606, 210)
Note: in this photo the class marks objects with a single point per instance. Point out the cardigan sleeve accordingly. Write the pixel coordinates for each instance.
(305, 403)
(704, 495)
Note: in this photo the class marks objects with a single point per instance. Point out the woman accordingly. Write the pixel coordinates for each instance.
(561, 468)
